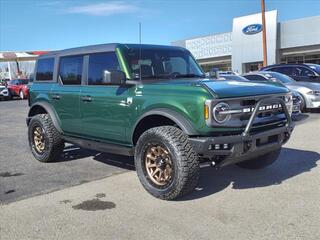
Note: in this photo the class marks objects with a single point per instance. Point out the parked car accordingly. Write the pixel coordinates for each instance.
(309, 92)
(154, 103)
(306, 72)
(232, 77)
(4, 93)
(4, 82)
(19, 87)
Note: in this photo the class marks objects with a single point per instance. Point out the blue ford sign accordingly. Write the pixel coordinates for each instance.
(252, 29)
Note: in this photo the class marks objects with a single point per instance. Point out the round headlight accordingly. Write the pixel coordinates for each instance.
(220, 112)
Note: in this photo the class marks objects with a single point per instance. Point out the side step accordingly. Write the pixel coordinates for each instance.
(100, 146)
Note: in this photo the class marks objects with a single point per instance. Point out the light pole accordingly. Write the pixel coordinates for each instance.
(264, 37)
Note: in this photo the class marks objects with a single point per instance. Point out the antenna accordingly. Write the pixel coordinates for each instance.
(140, 50)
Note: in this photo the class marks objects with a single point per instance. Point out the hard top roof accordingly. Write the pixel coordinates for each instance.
(104, 48)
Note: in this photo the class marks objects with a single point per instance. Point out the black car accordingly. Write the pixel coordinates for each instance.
(306, 72)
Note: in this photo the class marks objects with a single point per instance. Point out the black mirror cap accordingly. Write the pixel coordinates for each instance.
(114, 77)
(311, 75)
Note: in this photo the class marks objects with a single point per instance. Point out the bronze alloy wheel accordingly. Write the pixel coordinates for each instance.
(158, 165)
(38, 139)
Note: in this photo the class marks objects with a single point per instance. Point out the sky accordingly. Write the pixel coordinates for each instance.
(59, 24)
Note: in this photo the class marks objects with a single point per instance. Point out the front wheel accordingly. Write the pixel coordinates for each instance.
(166, 164)
(262, 161)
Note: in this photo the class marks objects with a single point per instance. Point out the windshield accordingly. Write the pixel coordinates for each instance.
(24, 81)
(280, 77)
(161, 63)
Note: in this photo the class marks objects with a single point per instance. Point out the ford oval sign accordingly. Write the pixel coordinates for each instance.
(252, 29)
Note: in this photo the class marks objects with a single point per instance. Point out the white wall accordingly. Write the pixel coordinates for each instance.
(248, 48)
(300, 32)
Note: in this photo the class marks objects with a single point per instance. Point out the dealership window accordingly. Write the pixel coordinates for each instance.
(100, 62)
(221, 67)
(45, 69)
(70, 70)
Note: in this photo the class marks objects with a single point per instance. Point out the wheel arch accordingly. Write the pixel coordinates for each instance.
(161, 117)
(44, 108)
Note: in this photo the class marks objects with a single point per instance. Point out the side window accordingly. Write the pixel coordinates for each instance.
(98, 63)
(304, 72)
(70, 70)
(284, 70)
(45, 69)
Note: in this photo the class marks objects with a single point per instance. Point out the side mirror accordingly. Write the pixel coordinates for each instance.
(113, 77)
(311, 75)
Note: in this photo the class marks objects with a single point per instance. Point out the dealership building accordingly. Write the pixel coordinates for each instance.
(294, 41)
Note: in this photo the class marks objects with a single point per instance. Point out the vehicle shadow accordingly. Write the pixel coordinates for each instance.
(291, 163)
(71, 153)
(300, 117)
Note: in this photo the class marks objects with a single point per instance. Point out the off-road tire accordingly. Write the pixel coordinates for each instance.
(261, 161)
(54, 144)
(186, 167)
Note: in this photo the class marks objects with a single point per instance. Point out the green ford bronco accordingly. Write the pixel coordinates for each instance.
(154, 103)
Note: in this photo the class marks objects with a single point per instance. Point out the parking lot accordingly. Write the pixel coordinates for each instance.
(279, 202)
(22, 176)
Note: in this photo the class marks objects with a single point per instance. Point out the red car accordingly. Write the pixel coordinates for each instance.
(19, 87)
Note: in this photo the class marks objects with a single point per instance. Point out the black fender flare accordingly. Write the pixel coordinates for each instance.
(50, 110)
(182, 122)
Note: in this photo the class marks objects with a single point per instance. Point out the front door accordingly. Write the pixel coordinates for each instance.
(103, 108)
(65, 94)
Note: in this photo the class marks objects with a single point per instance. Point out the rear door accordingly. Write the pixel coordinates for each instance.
(65, 94)
(104, 108)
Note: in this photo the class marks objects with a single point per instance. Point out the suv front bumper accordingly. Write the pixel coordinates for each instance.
(245, 146)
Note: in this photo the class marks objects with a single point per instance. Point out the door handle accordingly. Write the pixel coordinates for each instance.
(56, 96)
(86, 98)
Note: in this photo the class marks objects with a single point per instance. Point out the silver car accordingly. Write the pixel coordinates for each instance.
(309, 91)
(4, 93)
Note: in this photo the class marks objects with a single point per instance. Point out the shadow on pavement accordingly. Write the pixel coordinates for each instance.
(72, 153)
(291, 162)
(300, 117)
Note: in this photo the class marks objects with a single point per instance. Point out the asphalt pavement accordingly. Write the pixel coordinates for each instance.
(22, 176)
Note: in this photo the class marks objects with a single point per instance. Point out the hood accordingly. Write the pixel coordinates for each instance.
(310, 85)
(230, 89)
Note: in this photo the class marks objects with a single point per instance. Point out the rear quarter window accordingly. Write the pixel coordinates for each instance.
(44, 70)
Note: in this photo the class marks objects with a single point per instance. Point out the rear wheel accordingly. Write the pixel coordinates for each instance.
(166, 164)
(261, 161)
(44, 139)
